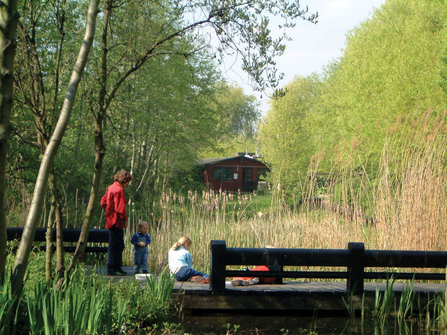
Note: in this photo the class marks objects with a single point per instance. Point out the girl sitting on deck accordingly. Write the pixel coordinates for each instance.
(180, 262)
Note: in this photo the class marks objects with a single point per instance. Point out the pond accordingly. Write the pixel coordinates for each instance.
(299, 324)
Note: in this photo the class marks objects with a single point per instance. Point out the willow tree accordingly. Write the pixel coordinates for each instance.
(390, 68)
(8, 27)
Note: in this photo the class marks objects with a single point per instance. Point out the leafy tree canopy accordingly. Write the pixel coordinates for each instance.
(285, 136)
(391, 67)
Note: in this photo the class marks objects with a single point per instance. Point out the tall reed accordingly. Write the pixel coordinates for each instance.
(410, 194)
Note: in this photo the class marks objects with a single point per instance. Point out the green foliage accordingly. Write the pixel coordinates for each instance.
(84, 307)
(391, 73)
(285, 136)
(89, 305)
(390, 68)
(236, 112)
(406, 302)
(235, 122)
(157, 120)
(9, 307)
(384, 302)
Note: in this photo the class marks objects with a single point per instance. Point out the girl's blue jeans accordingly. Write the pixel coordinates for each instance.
(185, 273)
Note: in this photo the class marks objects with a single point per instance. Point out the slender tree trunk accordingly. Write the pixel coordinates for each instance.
(60, 269)
(49, 242)
(86, 223)
(47, 160)
(146, 169)
(99, 146)
(55, 211)
(8, 29)
(134, 149)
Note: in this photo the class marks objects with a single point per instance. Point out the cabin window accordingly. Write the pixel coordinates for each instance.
(262, 174)
(223, 173)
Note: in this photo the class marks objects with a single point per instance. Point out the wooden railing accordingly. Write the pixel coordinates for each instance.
(355, 259)
(69, 235)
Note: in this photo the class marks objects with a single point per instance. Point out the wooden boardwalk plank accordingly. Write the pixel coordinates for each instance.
(308, 287)
(291, 286)
(296, 295)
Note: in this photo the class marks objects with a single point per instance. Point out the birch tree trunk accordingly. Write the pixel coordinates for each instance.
(99, 145)
(50, 152)
(8, 29)
(37, 102)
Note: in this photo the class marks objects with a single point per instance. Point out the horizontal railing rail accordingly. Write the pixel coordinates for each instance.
(354, 260)
(95, 236)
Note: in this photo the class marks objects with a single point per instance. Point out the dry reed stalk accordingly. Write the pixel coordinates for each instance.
(412, 190)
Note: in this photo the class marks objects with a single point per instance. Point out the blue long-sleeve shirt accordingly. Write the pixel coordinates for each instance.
(178, 258)
(138, 237)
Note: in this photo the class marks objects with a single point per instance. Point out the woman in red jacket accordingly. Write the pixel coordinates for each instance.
(114, 202)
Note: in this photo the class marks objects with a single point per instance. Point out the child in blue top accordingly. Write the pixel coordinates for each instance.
(140, 242)
(180, 262)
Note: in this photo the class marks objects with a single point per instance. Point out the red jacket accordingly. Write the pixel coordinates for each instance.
(262, 280)
(114, 202)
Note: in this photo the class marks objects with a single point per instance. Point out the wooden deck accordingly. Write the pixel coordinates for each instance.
(290, 296)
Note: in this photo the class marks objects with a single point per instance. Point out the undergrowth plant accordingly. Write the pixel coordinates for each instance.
(384, 303)
(84, 307)
(9, 307)
(406, 302)
(86, 304)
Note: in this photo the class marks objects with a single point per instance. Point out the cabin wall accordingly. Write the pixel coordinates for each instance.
(244, 175)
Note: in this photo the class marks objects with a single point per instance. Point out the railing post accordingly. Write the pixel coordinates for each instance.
(356, 268)
(217, 263)
(272, 264)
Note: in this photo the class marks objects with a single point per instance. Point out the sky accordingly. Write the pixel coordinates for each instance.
(313, 45)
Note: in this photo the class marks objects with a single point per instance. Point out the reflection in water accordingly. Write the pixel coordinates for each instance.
(296, 324)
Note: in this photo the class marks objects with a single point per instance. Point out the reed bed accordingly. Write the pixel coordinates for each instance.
(397, 203)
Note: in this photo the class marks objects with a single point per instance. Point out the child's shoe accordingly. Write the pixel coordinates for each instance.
(196, 279)
(205, 281)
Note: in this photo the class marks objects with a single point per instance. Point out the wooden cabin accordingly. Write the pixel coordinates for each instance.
(242, 172)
